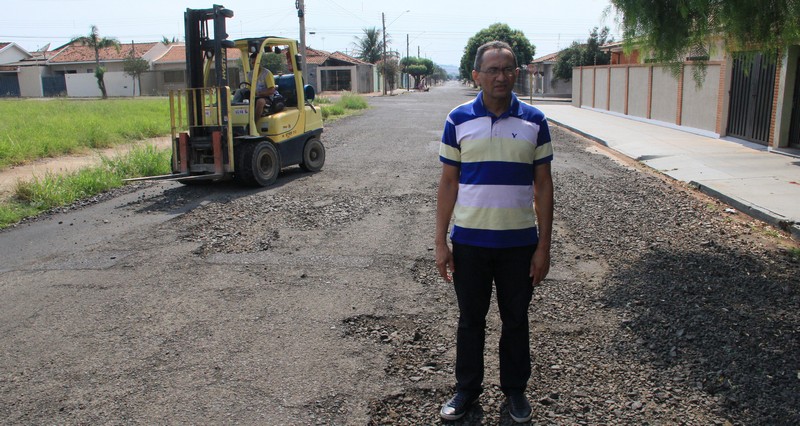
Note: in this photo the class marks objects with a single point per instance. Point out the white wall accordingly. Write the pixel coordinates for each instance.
(30, 82)
(85, 85)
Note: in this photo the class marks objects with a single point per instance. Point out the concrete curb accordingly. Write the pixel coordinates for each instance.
(750, 210)
(582, 133)
(779, 222)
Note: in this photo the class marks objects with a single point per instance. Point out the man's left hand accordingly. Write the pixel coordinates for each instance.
(540, 265)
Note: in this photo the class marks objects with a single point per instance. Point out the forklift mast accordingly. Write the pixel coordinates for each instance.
(199, 47)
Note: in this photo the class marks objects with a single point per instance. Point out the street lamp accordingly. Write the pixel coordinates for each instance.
(398, 17)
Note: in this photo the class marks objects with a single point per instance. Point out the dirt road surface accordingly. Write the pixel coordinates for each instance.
(316, 301)
(40, 168)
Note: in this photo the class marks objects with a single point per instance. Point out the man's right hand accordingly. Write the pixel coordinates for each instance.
(444, 261)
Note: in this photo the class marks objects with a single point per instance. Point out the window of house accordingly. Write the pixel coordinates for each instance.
(174, 76)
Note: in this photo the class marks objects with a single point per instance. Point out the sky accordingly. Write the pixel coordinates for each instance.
(436, 29)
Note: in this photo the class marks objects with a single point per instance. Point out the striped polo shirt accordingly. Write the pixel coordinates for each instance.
(496, 157)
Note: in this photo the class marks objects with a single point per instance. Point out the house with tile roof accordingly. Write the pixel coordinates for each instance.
(10, 54)
(168, 71)
(538, 79)
(337, 71)
(76, 64)
(68, 70)
(545, 84)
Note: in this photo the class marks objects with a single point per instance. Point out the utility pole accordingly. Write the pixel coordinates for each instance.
(383, 19)
(408, 77)
(301, 14)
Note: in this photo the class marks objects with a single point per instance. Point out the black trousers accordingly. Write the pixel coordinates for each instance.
(476, 268)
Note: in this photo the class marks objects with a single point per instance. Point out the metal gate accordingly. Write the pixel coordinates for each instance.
(752, 90)
(335, 80)
(54, 86)
(9, 85)
(794, 129)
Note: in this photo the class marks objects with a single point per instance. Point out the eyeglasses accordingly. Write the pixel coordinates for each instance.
(494, 72)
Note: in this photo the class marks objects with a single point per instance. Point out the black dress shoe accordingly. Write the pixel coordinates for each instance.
(519, 408)
(457, 406)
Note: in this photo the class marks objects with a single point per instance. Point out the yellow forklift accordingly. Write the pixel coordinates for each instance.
(226, 140)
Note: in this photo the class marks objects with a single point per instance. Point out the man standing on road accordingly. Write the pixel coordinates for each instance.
(496, 155)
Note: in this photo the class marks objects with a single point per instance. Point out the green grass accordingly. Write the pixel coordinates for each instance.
(332, 110)
(351, 101)
(33, 129)
(347, 104)
(54, 190)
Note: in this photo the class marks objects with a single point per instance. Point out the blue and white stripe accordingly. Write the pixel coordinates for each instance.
(496, 157)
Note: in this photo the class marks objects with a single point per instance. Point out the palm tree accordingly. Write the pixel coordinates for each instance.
(96, 42)
(369, 47)
(166, 41)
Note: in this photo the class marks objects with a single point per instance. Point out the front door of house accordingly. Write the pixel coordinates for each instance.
(752, 90)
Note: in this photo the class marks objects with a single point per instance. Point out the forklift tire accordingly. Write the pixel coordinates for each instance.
(313, 155)
(258, 164)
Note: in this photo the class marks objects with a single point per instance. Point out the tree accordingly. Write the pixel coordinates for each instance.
(578, 55)
(417, 68)
(167, 41)
(96, 42)
(389, 68)
(369, 47)
(522, 47)
(135, 67)
(439, 74)
(274, 62)
(669, 30)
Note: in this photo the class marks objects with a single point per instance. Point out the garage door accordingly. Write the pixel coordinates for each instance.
(9, 85)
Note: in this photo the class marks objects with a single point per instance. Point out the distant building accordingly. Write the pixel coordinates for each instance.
(69, 70)
(537, 79)
(333, 72)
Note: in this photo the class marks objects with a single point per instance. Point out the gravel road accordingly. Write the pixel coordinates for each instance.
(316, 301)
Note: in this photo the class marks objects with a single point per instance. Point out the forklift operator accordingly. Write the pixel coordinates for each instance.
(265, 88)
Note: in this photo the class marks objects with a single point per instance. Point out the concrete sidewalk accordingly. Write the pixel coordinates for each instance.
(744, 175)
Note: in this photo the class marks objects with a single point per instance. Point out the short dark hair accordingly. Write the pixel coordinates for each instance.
(495, 44)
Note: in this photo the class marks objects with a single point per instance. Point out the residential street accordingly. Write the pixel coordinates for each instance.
(317, 301)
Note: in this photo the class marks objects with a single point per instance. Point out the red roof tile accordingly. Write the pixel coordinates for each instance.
(177, 54)
(80, 53)
(546, 58)
(347, 58)
(318, 57)
(2, 45)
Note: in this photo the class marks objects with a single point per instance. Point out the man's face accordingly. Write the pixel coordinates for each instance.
(497, 74)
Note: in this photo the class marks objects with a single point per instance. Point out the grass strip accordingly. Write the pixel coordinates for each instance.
(55, 190)
(348, 104)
